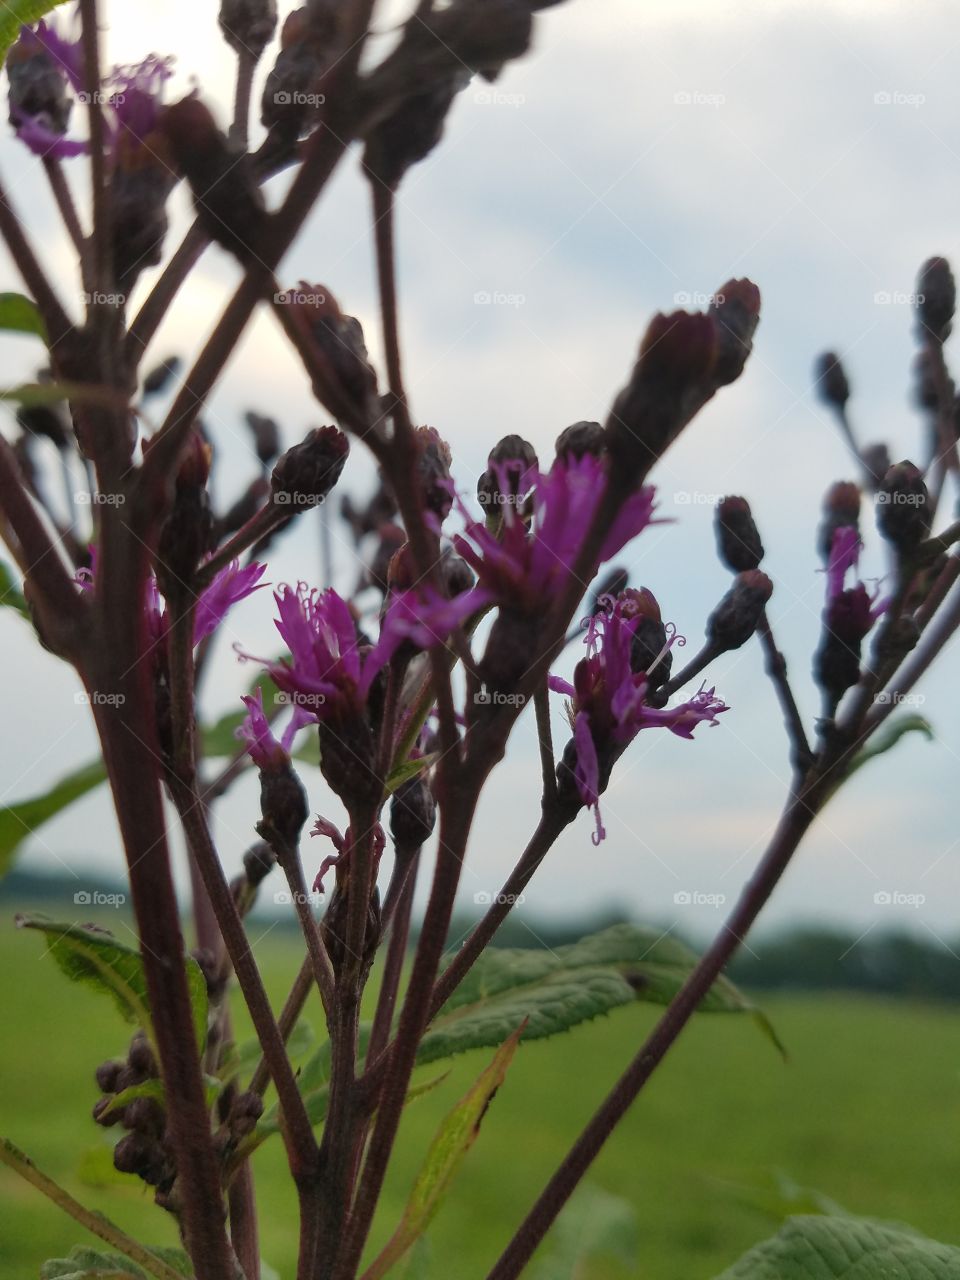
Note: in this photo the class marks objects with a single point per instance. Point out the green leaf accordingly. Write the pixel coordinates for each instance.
(154, 1089)
(780, 1197)
(17, 313)
(92, 1264)
(18, 13)
(20, 820)
(822, 1248)
(888, 735)
(95, 957)
(409, 769)
(594, 1225)
(556, 990)
(455, 1137)
(239, 1059)
(10, 594)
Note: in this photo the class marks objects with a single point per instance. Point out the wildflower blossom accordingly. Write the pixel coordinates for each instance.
(609, 703)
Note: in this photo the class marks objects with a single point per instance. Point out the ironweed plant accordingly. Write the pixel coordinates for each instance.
(410, 707)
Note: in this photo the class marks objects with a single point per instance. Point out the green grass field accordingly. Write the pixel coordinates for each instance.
(864, 1111)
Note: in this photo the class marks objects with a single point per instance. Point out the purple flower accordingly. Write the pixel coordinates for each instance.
(849, 610)
(330, 670)
(136, 99)
(40, 65)
(525, 568)
(342, 844)
(266, 752)
(608, 698)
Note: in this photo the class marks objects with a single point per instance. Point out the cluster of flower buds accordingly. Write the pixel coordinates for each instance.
(144, 1150)
(248, 25)
(903, 507)
(343, 378)
(293, 95)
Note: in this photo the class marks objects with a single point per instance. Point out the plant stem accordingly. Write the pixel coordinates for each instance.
(776, 666)
(292, 1008)
(68, 210)
(58, 323)
(246, 65)
(396, 954)
(157, 302)
(548, 764)
(94, 1222)
(794, 822)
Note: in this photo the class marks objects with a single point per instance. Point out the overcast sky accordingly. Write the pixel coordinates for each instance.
(641, 155)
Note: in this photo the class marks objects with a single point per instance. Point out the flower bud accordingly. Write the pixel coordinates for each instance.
(512, 461)
(266, 436)
(38, 87)
(413, 814)
(347, 382)
(283, 804)
(736, 313)
(258, 861)
(648, 650)
(433, 471)
(160, 375)
(903, 507)
(581, 438)
(305, 474)
(936, 298)
(248, 25)
(413, 130)
(831, 381)
(738, 614)
(229, 204)
(292, 95)
(847, 619)
(738, 539)
(613, 583)
(924, 384)
(246, 1111)
(841, 508)
(187, 532)
(106, 1076)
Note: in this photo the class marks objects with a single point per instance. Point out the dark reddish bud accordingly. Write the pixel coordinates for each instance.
(305, 474)
(141, 1060)
(413, 130)
(456, 576)
(830, 381)
(258, 861)
(413, 814)
(648, 652)
(37, 86)
(738, 540)
(141, 181)
(433, 471)
(841, 507)
(345, 381)
(136, 1153)
(160, 375)
(392, 538)
(735, 311)
(936, 298)
(106, 1114)
(293, 93)
(581, 438)
(106, 1076)
(846, 620)
(248, 25)
(903, 507)
(283, 804)
(876, 459)
(187, 533)
(671, 378)
(229, 204)
(738, 614)
(514, 462)
(146, 1116)
(266, 436)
